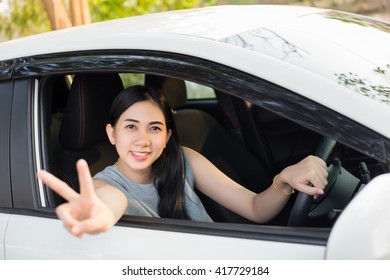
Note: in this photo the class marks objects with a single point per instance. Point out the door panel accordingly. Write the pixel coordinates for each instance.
(46, 238)
(3, 227)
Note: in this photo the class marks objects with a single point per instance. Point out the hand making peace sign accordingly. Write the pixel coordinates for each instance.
(83, 212)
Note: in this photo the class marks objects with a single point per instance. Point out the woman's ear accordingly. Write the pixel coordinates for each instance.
(110, 133)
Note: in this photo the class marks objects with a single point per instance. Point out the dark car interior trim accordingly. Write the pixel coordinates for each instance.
(6, 89)
(23, 169)
(6, 68)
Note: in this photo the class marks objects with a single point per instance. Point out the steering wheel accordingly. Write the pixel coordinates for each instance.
(303, 202)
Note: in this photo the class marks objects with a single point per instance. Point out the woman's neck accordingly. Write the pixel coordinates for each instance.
(137, 176)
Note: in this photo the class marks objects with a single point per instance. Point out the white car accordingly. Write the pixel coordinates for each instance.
(253, 88)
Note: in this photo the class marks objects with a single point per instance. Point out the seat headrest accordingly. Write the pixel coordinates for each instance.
(61, 92)
(174, 90)
(87, 110)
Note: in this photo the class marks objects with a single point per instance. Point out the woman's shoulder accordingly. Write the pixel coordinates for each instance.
(192, 155)
(106, 171)
(110, 175)
(189, 152)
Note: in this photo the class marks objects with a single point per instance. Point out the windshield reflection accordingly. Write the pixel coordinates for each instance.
(365, 87)
(349, 49)
(359, 19)
(267, 41)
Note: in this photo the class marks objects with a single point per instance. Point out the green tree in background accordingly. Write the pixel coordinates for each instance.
(111, 9)
(27, 17)
(23, 18)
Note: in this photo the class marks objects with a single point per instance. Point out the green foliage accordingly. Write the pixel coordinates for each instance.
(28, 17)
(111, 9)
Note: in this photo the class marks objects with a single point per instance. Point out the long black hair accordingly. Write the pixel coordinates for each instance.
(168, 170)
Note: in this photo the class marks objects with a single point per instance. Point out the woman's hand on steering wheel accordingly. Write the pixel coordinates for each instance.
(304, 200)
(308, 176)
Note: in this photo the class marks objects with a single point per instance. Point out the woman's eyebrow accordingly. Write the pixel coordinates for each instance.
(157, 122)
(137, 121)
(131, 120)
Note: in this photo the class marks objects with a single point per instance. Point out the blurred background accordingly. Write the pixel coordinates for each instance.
(19, 18)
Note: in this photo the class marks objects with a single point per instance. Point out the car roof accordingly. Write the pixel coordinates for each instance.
(213, 23)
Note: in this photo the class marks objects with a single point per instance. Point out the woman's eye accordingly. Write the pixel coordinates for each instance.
(130, 126)
(155, 128)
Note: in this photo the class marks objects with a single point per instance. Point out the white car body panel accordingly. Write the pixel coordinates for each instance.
(217, 24)
(134, 243)
(3, 227)
(363, 230)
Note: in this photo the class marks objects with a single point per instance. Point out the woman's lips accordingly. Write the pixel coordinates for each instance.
(140, 155)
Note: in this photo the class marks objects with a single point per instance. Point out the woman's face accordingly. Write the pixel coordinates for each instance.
(140, 136)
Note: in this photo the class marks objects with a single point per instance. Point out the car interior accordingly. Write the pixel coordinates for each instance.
(248, 143)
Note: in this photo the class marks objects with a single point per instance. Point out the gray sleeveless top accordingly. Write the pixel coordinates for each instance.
(143, 198)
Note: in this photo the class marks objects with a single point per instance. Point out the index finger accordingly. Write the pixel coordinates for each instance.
(57, 185)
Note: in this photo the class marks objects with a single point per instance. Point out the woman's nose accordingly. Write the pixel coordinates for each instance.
(143, 138)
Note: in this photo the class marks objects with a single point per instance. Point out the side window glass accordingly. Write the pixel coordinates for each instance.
(197, 91)
(130, 79)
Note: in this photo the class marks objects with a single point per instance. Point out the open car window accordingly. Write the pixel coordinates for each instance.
(254, 140)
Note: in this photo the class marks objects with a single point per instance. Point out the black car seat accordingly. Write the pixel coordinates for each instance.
(201, 132)
(238, 117)
(82, 133)
(57, 93)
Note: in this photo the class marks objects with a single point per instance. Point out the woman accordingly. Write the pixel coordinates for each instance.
(155, 176)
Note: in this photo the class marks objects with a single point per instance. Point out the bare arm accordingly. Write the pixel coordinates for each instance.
(263, 206)
(96, 209)
(114, 199)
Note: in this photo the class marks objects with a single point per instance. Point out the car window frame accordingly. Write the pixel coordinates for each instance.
(6, 90)
(26, 190)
